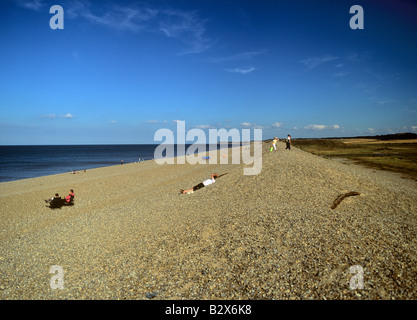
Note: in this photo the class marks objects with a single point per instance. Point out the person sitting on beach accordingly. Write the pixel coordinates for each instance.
(56, 201)
(202, 184)
(53, 198)
(70, 197)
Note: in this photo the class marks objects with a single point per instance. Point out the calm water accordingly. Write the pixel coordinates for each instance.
(21, 162)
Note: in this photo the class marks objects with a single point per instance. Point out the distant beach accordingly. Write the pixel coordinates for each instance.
(23, 162)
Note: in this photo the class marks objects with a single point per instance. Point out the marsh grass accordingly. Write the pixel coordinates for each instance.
(392, 155)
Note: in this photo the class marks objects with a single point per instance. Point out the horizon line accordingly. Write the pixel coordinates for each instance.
(135, 144)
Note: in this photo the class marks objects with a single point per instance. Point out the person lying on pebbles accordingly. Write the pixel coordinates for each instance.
(201, 184)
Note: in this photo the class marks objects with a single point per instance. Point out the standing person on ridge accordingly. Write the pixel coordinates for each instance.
(288, 141)
(274, 143)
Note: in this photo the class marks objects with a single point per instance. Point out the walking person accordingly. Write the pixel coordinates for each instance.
(274, 143)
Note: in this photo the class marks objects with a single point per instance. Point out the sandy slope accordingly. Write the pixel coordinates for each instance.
(267, 236)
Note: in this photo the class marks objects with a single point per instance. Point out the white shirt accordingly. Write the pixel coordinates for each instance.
(208, 182)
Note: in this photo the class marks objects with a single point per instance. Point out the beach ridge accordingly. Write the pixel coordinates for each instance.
(268, 236)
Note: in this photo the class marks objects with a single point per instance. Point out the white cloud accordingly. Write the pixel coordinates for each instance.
(187, 27)
(54, 116)
(241, 70)
(242, 56)
(184, 26)
(314, 62)
(277, 124)
(409, 128)
(31, 4)
(321, 127)
(251, 125)
(115, 17)
(315, 127)
(151, 121)
(247, 55)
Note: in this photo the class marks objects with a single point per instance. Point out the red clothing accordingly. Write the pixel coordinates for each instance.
(68, 197)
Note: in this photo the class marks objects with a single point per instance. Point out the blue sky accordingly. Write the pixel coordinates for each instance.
(120, 70)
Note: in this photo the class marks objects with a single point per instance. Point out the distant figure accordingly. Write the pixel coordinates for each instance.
(202, 184)
(288, 141)
(274, 143)
(121, 162)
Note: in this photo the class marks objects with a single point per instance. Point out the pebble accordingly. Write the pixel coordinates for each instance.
(151, 295)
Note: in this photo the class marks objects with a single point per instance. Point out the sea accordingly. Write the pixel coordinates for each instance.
(22, 162)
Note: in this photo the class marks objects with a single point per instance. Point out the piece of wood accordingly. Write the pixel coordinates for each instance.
(340, 198)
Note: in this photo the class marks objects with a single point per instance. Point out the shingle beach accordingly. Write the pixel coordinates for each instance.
(266, 236)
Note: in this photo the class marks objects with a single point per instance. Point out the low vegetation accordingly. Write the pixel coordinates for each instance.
(395, 154)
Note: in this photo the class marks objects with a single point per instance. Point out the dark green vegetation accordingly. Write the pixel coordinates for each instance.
(395, 154)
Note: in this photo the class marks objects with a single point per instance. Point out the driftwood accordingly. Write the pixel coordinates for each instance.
(340, 198)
